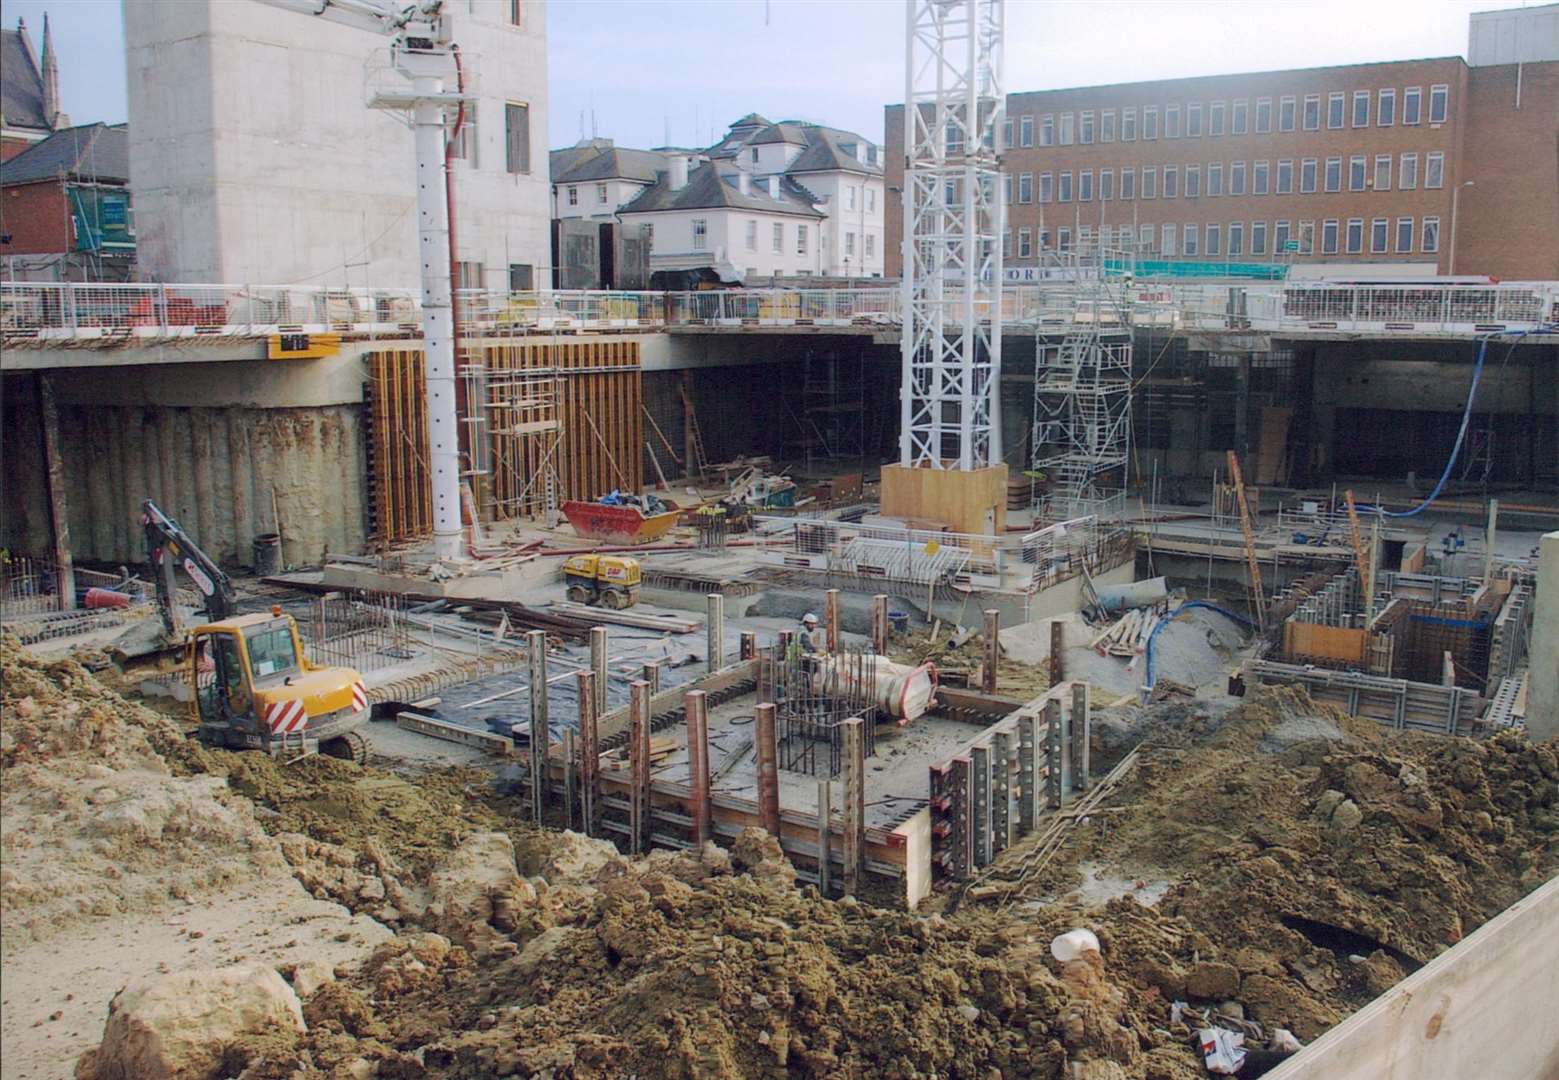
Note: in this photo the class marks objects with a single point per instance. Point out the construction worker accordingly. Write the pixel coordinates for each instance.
(811, 636)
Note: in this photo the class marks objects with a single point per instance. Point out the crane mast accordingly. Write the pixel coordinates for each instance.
(423, 54)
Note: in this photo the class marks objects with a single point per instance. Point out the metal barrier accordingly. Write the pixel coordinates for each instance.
(71, 311)
(886, 552)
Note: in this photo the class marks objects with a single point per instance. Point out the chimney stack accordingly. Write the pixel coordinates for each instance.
(51, 79)
(678, 173)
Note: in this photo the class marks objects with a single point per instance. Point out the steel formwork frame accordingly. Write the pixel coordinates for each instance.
(1081, 434)
(951, 336)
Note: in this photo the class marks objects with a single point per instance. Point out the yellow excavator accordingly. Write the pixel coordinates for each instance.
(251, 685)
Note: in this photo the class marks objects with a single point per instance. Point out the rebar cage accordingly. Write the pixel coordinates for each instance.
(813, 694)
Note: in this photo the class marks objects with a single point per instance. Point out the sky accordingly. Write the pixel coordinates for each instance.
(649, 72)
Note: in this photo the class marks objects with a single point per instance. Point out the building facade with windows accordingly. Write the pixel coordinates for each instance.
(1389, 168)
(255, 157)
(65, 212)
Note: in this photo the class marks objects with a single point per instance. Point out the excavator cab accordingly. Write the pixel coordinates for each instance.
(253, 687)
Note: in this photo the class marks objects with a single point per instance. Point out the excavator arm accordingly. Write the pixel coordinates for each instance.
(169, 547)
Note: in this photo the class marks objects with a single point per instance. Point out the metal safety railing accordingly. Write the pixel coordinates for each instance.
(75, 311)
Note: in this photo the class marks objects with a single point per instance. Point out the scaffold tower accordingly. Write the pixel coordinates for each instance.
(951, 344)
(1081, 437)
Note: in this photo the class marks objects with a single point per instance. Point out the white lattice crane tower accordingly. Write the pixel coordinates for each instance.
(953, 222)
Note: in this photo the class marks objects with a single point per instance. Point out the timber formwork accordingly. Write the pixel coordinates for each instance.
(557, 420)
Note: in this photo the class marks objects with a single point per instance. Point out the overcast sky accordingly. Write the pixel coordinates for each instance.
(649, 69)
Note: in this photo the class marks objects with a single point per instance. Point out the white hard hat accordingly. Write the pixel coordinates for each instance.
(809, 617)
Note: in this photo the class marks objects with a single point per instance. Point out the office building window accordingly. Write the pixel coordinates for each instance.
(465, 142)
(801, 239)
(1026, 187)
(1236, 238)
(1286, 110)
(522, 276)
(600, 194)
(1404, 235)
(1150, 122)
(1006, 132)
(1064, 239)
(1237, 178)
(1215, 113)
(1215, 179)
(849, 244)
(1407, 172)
(1356, 172)
(1214, 240)
(1280, 237)
(1355, 236)
(1188, 245)
(1334, 174)
(1107, 126)
(752, 236)
(573, 195)
(1047, 187)
(1128, 183)
(470, 275)
(1171, 121)
(1439, 100)
(1239, 117)
(1171, 181)
(1412, 103)
(1329, 237)
(1386, 108)
(1025, 250)
(1085, 128)
(1193, 120)
(1382, 172)
(1307, 169)
(1085, 186)
(1380, 234)
(1193, 181)
(700, 234)
(777, 232)
(1106, 185)
(1067, 123)
(953, 138)
(1312, 112)
(1361, 108)
(1150, 183)
(1064, 187)
(1307, 237)
(1334, 109)
(1258, 238)
(1128, 125)
(1044, 239)
(1006, 189)
(1026, 132)
(1006, 243)
(1260, 177)
(516, 128)
(1434, 170)
(1285, 180)
(1145, 238)
(1166, 241)
(1430, 242)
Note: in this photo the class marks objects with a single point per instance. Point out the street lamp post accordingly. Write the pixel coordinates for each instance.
(1456, 196)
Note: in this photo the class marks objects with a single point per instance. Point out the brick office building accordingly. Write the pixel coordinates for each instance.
(1402, 165)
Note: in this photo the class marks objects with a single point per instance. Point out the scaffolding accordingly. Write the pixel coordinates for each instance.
(813, 696)
(1080, 440)
(526, 432)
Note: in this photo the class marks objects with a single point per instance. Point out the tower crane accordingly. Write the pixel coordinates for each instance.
(422, 52)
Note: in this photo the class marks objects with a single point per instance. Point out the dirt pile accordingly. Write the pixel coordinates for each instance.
(92, 822)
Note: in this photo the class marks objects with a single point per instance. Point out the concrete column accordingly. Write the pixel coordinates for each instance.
(536, 642)
(880, 624)
(1082, 729)
(638, 766)
(1543, 683)
(831, 619)
(714, 630)
(825, 812)
(652, 676)
(589, 751)
(992, 650)
(598, 659)
(854, 803)
(698, 764)
(1057, 647)
(768, 768)
(749, 645)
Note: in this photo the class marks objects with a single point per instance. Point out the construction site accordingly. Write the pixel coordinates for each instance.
(1101, 676)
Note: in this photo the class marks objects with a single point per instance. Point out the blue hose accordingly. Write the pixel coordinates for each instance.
(1152, 675)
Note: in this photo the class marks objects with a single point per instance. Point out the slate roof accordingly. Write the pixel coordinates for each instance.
(613, 163)
(21, 83)
(99, 152)
(826, 152)
(706, 189)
